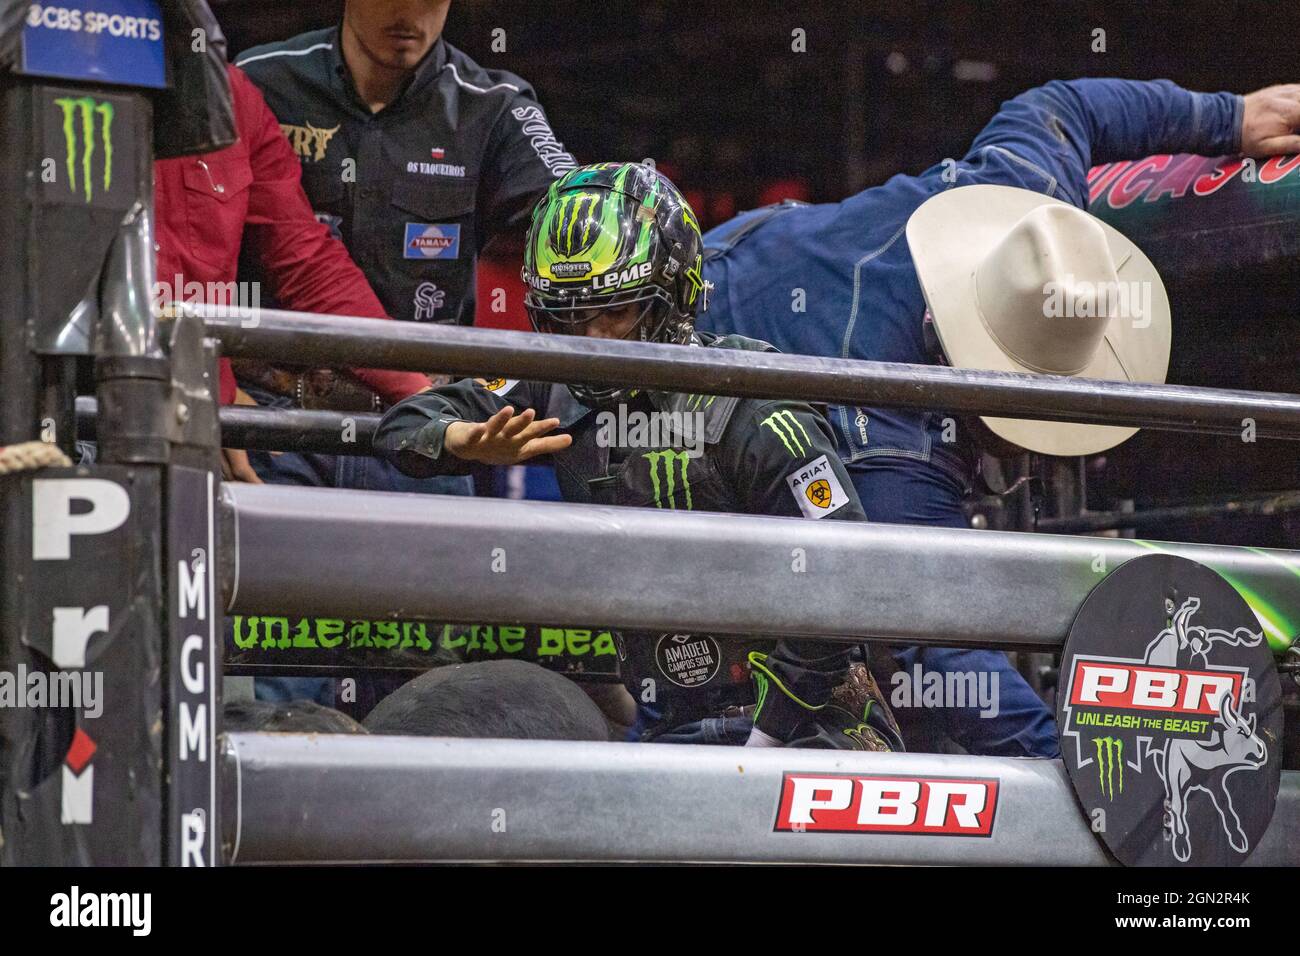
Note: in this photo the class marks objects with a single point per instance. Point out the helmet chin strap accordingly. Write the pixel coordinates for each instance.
(705, 293)
(933, 347)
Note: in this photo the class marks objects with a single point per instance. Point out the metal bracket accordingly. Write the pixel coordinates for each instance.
(193, 402)
(153, 405)
(134, 393)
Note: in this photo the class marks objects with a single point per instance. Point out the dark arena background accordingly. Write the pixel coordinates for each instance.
(452, 635)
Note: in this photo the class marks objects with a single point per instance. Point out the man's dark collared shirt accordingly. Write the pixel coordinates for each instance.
(416, 190)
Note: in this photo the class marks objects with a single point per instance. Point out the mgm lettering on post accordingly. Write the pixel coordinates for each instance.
(105, 568)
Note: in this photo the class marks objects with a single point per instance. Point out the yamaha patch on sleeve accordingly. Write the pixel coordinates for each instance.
(1170, 716)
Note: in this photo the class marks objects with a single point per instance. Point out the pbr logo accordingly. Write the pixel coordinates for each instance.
(851, 803)
(1170, 716)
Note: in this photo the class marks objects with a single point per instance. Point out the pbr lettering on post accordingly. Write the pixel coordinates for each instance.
(841, 803)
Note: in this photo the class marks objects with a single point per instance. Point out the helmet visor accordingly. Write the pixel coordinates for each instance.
(650, 306)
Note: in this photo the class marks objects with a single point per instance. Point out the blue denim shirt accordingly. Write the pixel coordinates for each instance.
(847, 264)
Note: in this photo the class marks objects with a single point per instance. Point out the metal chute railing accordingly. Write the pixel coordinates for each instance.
(320, 798)
(307, 339)
(437, 557)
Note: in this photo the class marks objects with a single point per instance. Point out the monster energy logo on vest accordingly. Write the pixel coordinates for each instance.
(784, 423)
(85, 110)
(671, 462)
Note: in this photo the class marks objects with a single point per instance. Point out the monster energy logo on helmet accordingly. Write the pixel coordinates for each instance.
(79, 115)
(604, 229)
(569, 270)
(603, 215)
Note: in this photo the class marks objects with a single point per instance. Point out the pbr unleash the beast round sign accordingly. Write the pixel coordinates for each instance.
(1170, 716)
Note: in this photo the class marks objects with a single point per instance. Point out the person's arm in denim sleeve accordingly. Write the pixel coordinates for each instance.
(1065, 127)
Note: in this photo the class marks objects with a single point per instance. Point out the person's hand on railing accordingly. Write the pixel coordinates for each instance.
(235, 465)
(1270, 125)
(505, 438)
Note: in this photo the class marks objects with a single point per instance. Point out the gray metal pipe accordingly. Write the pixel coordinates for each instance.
(341, 553)
(295, 429)
(127, 326)
(304, 338)
(342, 799)
(273, 429)
(1263, 505)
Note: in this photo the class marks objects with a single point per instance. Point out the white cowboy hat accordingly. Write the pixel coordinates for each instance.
(1020, 282)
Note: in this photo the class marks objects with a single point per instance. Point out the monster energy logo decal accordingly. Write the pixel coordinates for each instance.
(86, 109)
(571, 232)
(784, 423)
(671, 462)
(1110, 754)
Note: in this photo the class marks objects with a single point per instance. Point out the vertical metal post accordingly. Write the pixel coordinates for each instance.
(1066, 496)
(19, 370)
(58, 420)
(82, 598)
(192, 649)
(105, 585)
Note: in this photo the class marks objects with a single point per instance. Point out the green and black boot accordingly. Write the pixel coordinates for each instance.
(855, 718)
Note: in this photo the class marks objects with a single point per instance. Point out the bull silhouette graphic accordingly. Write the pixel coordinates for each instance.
(1188, 766)
(1181, 643)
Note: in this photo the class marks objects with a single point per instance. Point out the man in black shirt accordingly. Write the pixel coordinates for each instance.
(411, 151)
(415, 157)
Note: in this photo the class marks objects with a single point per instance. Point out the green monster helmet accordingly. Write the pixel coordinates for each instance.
(605, 236)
